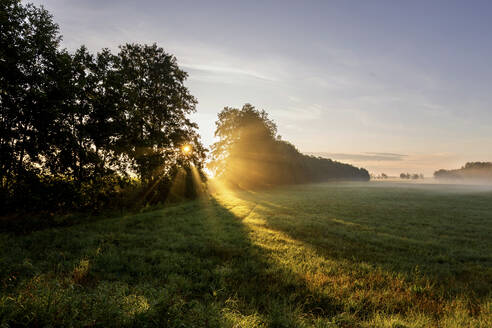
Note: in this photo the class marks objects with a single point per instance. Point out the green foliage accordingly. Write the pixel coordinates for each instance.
(28, 72)
(249, 153)
(321, 255)
(156, 104)
(75, 127)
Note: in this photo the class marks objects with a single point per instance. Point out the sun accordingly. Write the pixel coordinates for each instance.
(186, 149)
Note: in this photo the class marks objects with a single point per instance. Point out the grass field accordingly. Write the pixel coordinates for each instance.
(372, 254)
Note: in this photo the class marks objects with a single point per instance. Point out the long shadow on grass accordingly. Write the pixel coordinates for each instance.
(191, 265)
(206, 264)
(396, 274)
(215, 275)
(237, 279)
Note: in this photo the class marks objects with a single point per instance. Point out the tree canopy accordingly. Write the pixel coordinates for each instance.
(249, 153)
(81, 130)
(74, 123)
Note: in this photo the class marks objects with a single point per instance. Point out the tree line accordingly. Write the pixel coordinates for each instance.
(78, 128)
(414, 176)
(479, 171)
(250, 153)
(82, 131)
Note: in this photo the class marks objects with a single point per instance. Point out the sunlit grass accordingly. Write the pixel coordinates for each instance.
(326, 255)
(355, 281)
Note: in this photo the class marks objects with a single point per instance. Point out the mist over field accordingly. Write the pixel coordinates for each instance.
(442, 186)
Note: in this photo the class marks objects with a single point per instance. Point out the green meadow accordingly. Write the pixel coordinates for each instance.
(376, 254)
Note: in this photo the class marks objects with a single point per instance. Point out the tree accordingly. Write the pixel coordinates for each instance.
(74, 125)
(28, 88)
(478, 171)
(405, 176)
(155, 104)
(246, 137)
(249, 153)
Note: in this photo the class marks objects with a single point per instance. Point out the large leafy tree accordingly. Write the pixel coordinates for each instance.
(247, 146)
(249, 153)
(155, 104)
(85, 120)
(29, 95)
(71, 142)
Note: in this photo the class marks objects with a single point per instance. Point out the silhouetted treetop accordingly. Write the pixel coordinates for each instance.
(478, 171)
(80, 125)
(249, 153)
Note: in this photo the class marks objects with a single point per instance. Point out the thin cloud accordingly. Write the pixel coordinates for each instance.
(227, 70)
(362, 157)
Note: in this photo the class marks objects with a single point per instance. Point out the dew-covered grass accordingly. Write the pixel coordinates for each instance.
(322, 255)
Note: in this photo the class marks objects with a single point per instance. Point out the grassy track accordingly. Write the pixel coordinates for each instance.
(323, 255)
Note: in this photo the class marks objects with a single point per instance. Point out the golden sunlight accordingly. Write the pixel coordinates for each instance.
(186, 149)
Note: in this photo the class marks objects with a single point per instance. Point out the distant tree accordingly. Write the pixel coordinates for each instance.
(405, 176)
(439, 174)
(479, 171)
(384, 176)
(413, 176)
(478, 165)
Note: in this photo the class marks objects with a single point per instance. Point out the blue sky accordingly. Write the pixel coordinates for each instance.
(389, 85)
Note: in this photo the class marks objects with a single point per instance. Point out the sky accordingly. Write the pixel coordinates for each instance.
(392, 86)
